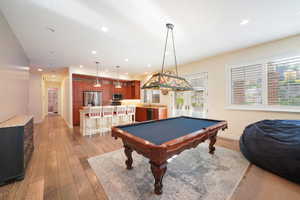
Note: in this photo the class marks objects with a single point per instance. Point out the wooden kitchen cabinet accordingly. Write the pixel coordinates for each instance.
(140, 114)
(160, 113)
(130, 90)
(145, 113)
(135, 89)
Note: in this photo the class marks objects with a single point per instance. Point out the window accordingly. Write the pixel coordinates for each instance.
(246, 84)
(269, 86)
(155, 96)
(151, 96)
(284, 82)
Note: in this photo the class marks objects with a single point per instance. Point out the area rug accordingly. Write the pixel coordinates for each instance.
(193, 174)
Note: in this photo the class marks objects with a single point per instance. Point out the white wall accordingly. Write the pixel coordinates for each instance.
(14, 82)
(65, 88)
(217, 95)
(35, 106)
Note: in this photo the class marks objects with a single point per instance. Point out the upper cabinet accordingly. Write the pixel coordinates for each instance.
(129, 89)
(135, 89)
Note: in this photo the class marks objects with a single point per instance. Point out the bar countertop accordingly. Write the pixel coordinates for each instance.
(152, 106)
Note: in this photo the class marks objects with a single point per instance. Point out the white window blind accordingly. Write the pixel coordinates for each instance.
(284, 82)
(151, 96)
(155, 96)
(246, 85)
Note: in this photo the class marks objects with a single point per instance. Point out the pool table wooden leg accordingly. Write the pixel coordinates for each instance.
(213, 139)
(128, 153)
(158, 171)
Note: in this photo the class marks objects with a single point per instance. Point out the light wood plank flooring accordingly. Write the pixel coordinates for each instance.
(59, 169)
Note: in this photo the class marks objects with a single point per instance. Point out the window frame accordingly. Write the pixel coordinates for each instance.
(151, 99)
(264, 106)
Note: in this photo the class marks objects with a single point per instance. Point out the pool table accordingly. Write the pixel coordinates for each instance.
(160, 140)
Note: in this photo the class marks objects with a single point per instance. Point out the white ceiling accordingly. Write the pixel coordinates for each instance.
(137, 29)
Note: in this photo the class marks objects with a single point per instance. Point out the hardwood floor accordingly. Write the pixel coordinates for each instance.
(59, 169)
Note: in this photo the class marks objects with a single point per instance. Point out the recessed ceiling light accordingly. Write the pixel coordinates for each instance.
(149, 65)
(24, 68)
(40, 70)
(126, 59)
(104, 29)
(244, 22)
(146, 72)
(94, 52)
(81, 66)
(50, 29)
(166, 19)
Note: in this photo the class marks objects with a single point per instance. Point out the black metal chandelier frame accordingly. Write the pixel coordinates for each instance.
(163, 80)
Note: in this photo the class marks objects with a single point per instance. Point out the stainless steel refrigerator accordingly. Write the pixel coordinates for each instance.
(92, 98)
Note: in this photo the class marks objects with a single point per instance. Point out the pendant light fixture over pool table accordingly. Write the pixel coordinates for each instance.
(165, 81)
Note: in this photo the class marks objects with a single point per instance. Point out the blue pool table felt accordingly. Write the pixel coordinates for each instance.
(159, 132)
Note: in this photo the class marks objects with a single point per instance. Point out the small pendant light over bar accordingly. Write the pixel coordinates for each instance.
(165, 81)
(97, 83)
(118, 83)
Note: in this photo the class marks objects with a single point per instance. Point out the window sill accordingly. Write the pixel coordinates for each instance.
(292, 109)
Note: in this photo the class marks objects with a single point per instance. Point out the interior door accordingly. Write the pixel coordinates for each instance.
(53, 100)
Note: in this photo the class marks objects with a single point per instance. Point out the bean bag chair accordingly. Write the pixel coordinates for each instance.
(274, 145)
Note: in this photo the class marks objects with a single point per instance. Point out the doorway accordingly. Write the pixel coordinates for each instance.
(193, 103)
(53, 100)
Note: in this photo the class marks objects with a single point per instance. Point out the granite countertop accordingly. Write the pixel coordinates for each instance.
(87, 107)
(19, 120)
(152, 106)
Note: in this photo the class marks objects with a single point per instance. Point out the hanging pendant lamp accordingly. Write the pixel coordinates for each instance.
(97, 83)
(118, 83)
(165, 81)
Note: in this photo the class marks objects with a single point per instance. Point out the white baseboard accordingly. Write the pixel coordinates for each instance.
(69, 125)
(230, 137)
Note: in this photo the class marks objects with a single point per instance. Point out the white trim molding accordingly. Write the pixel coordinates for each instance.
(292, 109)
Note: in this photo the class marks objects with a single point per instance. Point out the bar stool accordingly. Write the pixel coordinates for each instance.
(94, 121)
(130, 113)
(108, 115)
(121, 115)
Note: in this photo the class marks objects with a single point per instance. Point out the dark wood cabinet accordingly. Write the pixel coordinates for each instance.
(140, 114)
(136, 90)
(151, 113)
(160, 113)
(16, 148)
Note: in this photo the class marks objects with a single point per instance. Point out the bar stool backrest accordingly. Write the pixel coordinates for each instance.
(121, 110)
(108, 111)
(95, 112)
(131, 109)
